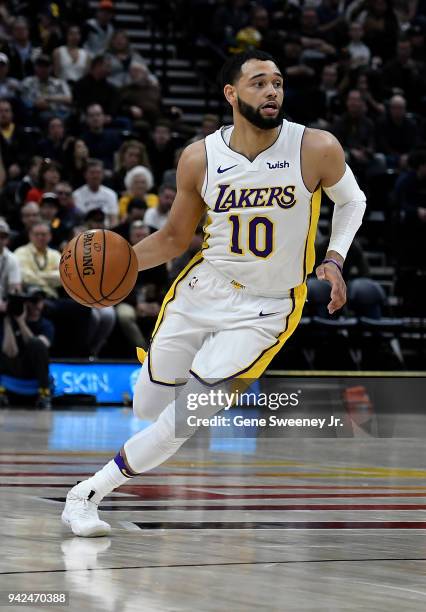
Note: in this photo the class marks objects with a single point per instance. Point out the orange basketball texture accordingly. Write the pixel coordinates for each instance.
(98, 268)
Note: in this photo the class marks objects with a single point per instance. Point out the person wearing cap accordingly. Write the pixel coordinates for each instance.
(99, 30)
(10, 273)
(43, 95)
(25, 339)
(9, 87)
(69, 214)
(49, 212)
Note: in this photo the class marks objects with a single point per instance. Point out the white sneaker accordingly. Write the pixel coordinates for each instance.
(81, 515)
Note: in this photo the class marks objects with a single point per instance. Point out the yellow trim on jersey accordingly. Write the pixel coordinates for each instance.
(171, 294)
(309, 258)
(206, 236)
(141, 354)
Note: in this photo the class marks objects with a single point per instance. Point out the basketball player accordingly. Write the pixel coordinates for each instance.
(239, 299)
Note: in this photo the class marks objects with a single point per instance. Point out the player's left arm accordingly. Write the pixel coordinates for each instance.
(339, 183)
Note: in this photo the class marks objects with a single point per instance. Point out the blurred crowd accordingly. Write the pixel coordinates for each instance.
(86, 141)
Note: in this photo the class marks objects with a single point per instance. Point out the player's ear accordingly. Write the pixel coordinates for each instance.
(230, 94)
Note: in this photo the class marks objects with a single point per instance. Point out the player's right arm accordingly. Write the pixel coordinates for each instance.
(188, 207)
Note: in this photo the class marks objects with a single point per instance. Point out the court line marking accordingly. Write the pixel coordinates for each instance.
(225, 564)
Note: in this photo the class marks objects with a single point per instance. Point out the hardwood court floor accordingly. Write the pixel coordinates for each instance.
(283, 525)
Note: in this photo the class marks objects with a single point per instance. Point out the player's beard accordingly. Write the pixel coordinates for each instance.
(254, 116)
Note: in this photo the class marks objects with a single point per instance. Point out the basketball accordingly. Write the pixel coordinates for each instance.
(98, 268)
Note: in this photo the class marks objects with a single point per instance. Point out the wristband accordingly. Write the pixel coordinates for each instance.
(335, 262)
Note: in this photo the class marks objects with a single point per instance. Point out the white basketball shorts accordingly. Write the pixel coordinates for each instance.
(215, 330)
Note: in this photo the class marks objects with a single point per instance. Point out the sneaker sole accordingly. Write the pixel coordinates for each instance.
(95, 533)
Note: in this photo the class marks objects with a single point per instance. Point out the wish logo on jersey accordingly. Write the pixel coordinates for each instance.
(254, 197)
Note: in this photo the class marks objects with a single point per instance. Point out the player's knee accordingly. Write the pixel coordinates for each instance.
(143, 409)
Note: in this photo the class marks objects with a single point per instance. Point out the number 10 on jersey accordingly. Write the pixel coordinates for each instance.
(260, 236)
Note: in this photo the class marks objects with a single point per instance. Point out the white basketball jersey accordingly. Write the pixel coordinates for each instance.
(262, 219)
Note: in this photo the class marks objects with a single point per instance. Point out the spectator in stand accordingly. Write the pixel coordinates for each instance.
(161, 150)
(135, 212)
(403, 74)
(30, 215)
(69, 214)
(95, 89)
(138, 182)
(359, 52)
(396, 134)
(40, 266)
(227, 21)
(156, 217)
(95, 195)
(95, 219)
(299, 80)
(49, 35)
(410, 196)
(328, 95)
(6, 20)
(38, 262)
(131, 153)
(210, 123)
(30, 180)
(381, 28)
(14, 145)
(374, 107)
(74, 11)
(53, 146)
(71, 62)
(315, 48)
(137, 313)
(417, 36)
(410, 199)
(25, 339)
(45, 96)
(49, 212)
(10, 273)
(101, 142)
(77, 156)
(355, 132)
(9, 87)
(49, 177)
(140, 97)
(120, 57)
(99, 30)
(20, 50)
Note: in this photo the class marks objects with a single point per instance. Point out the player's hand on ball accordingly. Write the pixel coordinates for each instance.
(332, 274)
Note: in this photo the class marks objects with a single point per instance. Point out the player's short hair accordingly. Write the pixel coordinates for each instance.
(231, 69)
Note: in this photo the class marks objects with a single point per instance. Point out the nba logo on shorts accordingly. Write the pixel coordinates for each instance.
(193, 282)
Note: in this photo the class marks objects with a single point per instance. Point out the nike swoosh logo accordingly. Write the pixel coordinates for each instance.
(222, 170)
(267, 314)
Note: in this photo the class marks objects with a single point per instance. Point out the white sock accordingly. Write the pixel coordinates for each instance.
(103, 482)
